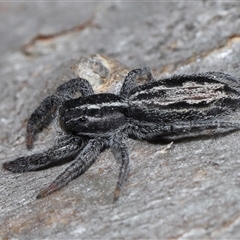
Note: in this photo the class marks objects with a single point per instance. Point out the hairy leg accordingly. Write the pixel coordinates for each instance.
(151, 131)
(120, 152)
(68, 148)
(130, 80)
(81, 164)
(45, 112)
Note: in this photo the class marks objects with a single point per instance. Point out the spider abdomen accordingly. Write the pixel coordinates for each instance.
(184, 104)
(95, 114)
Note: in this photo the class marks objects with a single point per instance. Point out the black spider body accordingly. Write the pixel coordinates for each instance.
(179, 106)
(93, 115)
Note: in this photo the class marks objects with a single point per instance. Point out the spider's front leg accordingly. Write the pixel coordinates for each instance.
(130, 80)
(81, 164)
(68, 148)
(45, 112)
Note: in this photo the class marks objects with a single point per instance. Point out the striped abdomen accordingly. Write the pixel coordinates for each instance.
(183, 99)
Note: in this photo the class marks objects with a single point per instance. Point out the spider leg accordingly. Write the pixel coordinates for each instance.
(120, 152)
(130, 80)
(73, 86)
(45, 112)
(67, 149)
(41, 117)
(202, 128)
(81, 164)
(151, 131)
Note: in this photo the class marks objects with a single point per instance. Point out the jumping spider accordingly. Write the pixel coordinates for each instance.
(179, 106)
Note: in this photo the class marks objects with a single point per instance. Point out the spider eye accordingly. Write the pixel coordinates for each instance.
(82, 119)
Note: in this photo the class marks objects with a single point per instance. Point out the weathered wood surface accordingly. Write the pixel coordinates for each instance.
(188, 191)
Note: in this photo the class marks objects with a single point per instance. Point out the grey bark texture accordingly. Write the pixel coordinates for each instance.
(189, 190)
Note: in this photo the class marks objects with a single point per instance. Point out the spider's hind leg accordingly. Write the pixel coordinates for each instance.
(46, 111)
(205, 128)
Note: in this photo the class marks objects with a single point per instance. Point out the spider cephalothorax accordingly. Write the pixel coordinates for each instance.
(179, 106)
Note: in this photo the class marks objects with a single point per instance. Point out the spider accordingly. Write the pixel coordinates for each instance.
(179, 106)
